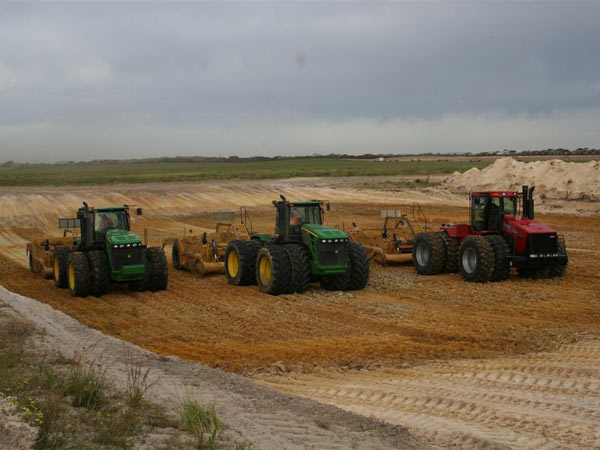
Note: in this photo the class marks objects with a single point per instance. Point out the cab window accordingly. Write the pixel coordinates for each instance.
(106, 220)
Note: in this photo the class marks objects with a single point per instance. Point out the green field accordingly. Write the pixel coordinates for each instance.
(150, 172)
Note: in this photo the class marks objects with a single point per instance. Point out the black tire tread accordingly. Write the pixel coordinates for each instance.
(81, 269)
(247, 252)
(358, 266)
(99, 273)
(438, 253)
(300, 267)
(281, 270)
(451, 245)
(484, 270)
(175, 255)
(157, 271)
(62, 253)
(501, 270)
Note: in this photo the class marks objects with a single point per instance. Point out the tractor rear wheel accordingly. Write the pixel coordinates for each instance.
(358, 267)
(476, 259)
(175, 256)
(240, 263)
(78, 269)
(452, 246)
(157, 271)
(273, 270)
(501, 257)
(429, 254)
(59, 263)
(300, 266)
(99, 273)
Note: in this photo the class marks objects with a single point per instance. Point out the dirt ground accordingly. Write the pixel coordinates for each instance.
(386, 335)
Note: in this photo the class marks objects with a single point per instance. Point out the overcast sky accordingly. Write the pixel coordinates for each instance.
(81, 81)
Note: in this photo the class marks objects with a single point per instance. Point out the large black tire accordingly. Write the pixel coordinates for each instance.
(157, 271)
(451, 246)
(558, 271)
(429, 254)
(273, 270)
(300, 266)
(59, 264)
(358, 266)
(99, 273)
(240, 263)
(501, 249)
(336, 282)
(535, 273)
(175, 256)
(476, 259)
(78, 270)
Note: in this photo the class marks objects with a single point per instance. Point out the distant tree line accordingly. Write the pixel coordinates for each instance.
(368, 156)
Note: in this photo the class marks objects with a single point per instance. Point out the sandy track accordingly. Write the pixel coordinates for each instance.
(253, 413)
(546, 400)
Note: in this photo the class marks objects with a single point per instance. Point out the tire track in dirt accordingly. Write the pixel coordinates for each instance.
(545, 400)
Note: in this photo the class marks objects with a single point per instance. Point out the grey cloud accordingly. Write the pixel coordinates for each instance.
(209, 66)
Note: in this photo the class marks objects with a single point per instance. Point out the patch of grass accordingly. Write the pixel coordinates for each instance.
(87, 386)
(397, 185)
(202, 421)
(146, 172)
(72, 405)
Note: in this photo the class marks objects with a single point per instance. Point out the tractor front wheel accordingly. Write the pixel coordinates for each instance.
(273, 270)
(78, 273)
(240, 263)
(501, 257)
(59, 263)
(476, 259)
(429, 254)
(451, 245)
(99, 272)
(157, 271)
(300, 265)
(358, 267)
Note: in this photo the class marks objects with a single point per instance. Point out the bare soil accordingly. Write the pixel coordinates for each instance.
(400, 321)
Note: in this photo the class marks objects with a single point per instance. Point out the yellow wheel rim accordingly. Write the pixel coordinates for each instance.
(265, 270)
(56, 269)
(71, 276)
(233, 263)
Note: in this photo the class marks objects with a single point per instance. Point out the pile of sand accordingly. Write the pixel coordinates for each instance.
(554, 179)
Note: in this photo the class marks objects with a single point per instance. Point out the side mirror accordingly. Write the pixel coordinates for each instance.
(139, 211)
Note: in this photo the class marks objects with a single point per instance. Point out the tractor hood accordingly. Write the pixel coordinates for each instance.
(122, 237)
(324, 232)
(522, 226)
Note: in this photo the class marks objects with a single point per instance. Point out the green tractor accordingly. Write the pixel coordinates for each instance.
(301, 250)
(106, 251)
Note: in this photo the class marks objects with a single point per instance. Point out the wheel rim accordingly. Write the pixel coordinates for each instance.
(71, 276)
(56, 269)
(233, 263)
(469, 260)
(422, 254)
(265, 270)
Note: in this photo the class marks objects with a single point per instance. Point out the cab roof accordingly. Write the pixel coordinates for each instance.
(110, 209)
(494, 194)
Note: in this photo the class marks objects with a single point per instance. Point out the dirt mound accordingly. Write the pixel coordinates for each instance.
(554, 179)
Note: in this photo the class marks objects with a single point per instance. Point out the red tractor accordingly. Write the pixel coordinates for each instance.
(497, 239)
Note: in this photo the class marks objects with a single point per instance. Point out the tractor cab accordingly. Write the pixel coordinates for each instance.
(291, 216)
(489, 207)
(102, 225)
